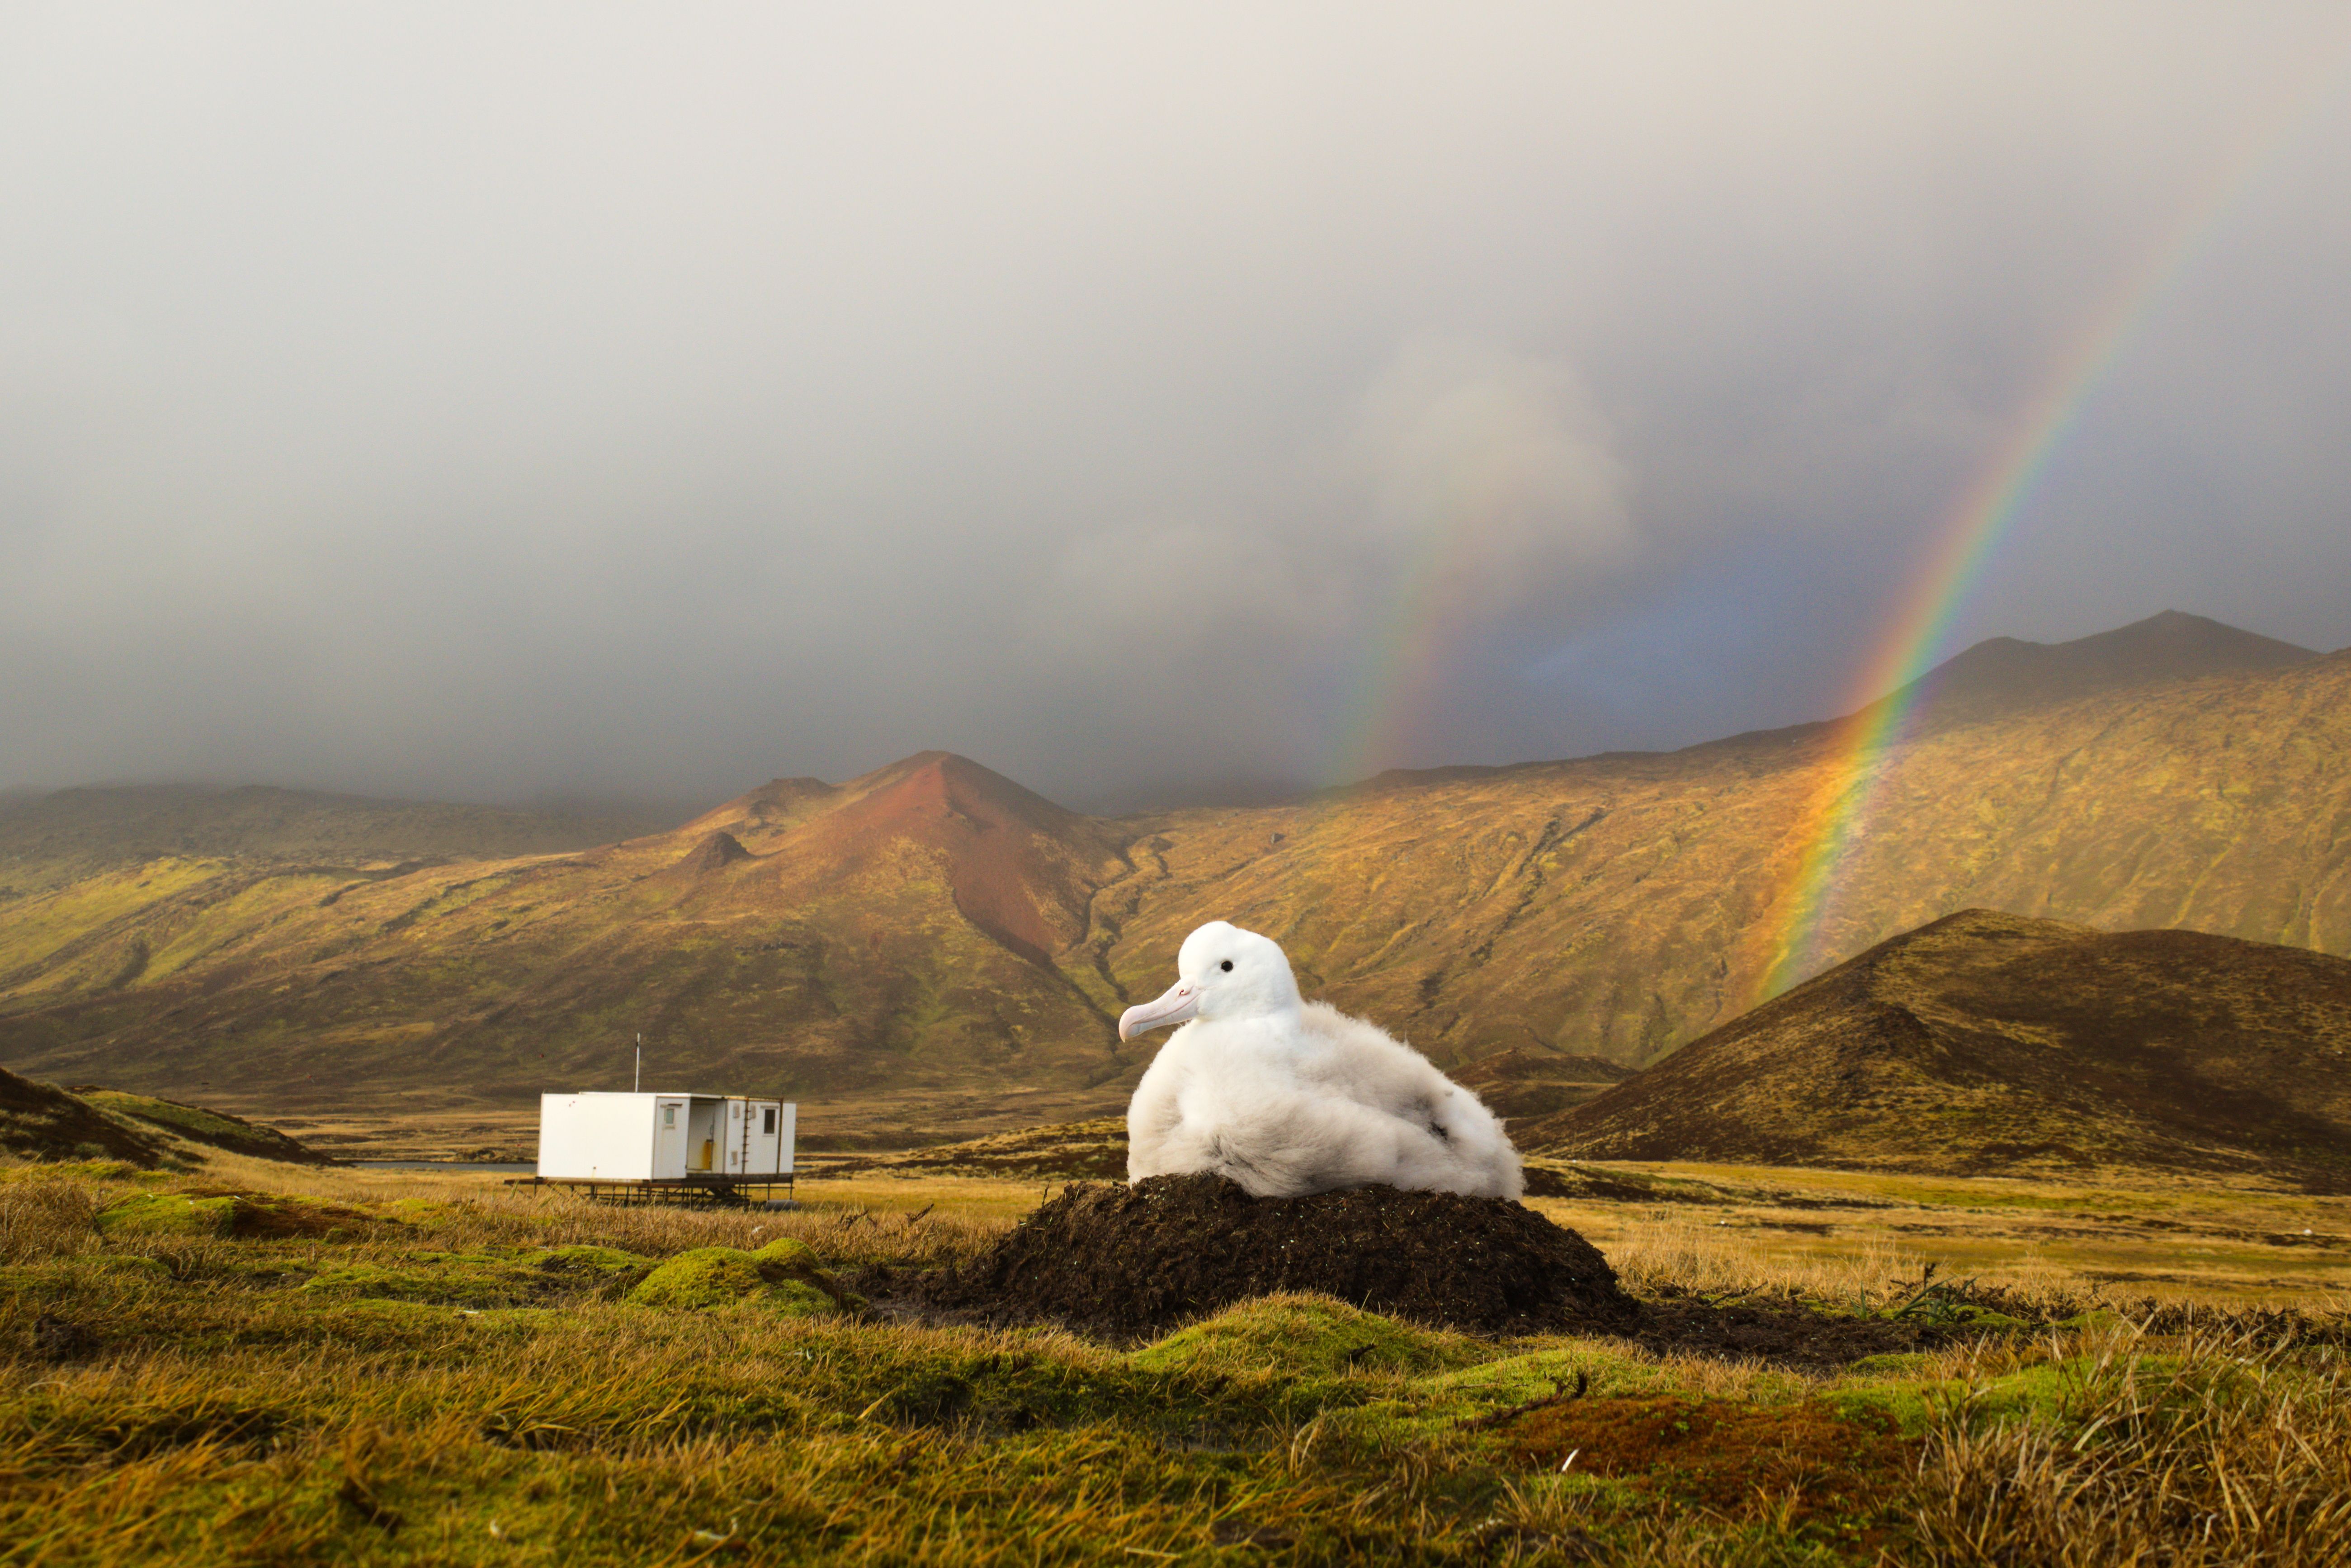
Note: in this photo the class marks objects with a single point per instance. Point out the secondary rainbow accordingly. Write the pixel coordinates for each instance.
(1800, 923)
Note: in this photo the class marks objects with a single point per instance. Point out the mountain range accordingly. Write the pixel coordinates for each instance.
(933, 949)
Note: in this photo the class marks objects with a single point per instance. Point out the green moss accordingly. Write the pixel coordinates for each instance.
(595, 1262)
(1601, 1367)
(1304, 1334)
(791, 1254)
(443, 1287)
(782, 1275)
(1912, 1407)
(167, 1214)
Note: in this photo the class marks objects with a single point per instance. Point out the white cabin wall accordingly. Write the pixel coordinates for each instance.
(606, 1137)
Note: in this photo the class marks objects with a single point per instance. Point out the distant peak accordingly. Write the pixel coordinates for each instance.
(959, 780)
(716, 850)
(2006, 675)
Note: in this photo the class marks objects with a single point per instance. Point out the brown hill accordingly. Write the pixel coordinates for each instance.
(1622, 905)
(932, 951)
(716, 851)
(893, 934)
(1988, 1042)
(2005, 674)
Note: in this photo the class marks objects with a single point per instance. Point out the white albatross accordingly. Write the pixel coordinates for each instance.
(1289, 1097)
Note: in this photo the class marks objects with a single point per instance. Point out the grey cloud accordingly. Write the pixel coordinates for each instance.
(486, 400)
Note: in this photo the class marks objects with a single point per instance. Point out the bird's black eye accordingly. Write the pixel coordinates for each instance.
(1226, 965)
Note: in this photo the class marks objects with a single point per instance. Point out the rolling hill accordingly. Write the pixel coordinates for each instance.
(932, 950)
(44, 839)
(1986, 1043)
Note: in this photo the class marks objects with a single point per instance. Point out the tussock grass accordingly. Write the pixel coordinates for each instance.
(2222, 1444)
(47, 1217)
(455, 1376)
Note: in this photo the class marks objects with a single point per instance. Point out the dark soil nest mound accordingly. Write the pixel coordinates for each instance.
(1131, 1261)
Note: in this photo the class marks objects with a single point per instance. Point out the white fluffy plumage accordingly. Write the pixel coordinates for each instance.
(1289, 1097)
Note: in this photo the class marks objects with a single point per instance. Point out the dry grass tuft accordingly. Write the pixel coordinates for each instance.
(47, 1217)
(2220, 1447)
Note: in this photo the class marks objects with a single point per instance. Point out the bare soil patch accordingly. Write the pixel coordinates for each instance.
(1803, 1465)
(1788, 1335)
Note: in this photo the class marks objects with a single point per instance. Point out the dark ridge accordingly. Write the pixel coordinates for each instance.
(39, 1123)
(200, 1124)
(1987, 1043)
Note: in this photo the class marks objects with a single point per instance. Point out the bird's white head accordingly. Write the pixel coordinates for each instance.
(1222, 972)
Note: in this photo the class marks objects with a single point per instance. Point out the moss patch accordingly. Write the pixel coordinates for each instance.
(465, 1284)
(167, 1214)
(604, 1263)
(1303, 1333)
(782, 1275)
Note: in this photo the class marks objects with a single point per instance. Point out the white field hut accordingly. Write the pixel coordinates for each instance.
(727, 1148)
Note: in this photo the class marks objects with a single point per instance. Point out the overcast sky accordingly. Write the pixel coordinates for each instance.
(481, 400)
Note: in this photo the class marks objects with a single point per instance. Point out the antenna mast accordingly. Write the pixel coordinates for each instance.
(639, 1085)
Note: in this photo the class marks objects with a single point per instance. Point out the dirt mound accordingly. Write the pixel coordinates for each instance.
(1129, 1261)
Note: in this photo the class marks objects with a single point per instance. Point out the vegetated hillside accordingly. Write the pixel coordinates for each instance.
(198, 1124)
(41, 1121)
(1991, 1043)
(896, 931)
(48, 838)
(1622, 905)
(933, 936)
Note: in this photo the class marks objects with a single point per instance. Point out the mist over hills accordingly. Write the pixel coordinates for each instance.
(934, 929)
(80, 830)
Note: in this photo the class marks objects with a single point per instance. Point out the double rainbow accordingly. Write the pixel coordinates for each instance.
(1864, 746)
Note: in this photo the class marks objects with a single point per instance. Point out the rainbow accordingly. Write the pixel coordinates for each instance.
(1385, 725)
(1800, 916)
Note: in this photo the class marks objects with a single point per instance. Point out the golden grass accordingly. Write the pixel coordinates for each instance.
(2219, 1448)
(184, 1399)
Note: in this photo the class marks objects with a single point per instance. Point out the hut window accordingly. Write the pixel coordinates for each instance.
(768, 1122)
(669, 1115)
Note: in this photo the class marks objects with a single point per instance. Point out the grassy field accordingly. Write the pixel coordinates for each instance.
(258, 1362)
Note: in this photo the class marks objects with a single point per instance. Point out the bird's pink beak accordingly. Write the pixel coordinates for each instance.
(1179, 1004)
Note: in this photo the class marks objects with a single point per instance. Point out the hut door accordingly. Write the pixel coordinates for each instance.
(668, 1139)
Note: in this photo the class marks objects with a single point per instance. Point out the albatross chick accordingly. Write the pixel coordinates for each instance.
(1288, 1097)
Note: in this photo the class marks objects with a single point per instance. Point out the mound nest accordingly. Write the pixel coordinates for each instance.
(1131, 1261)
